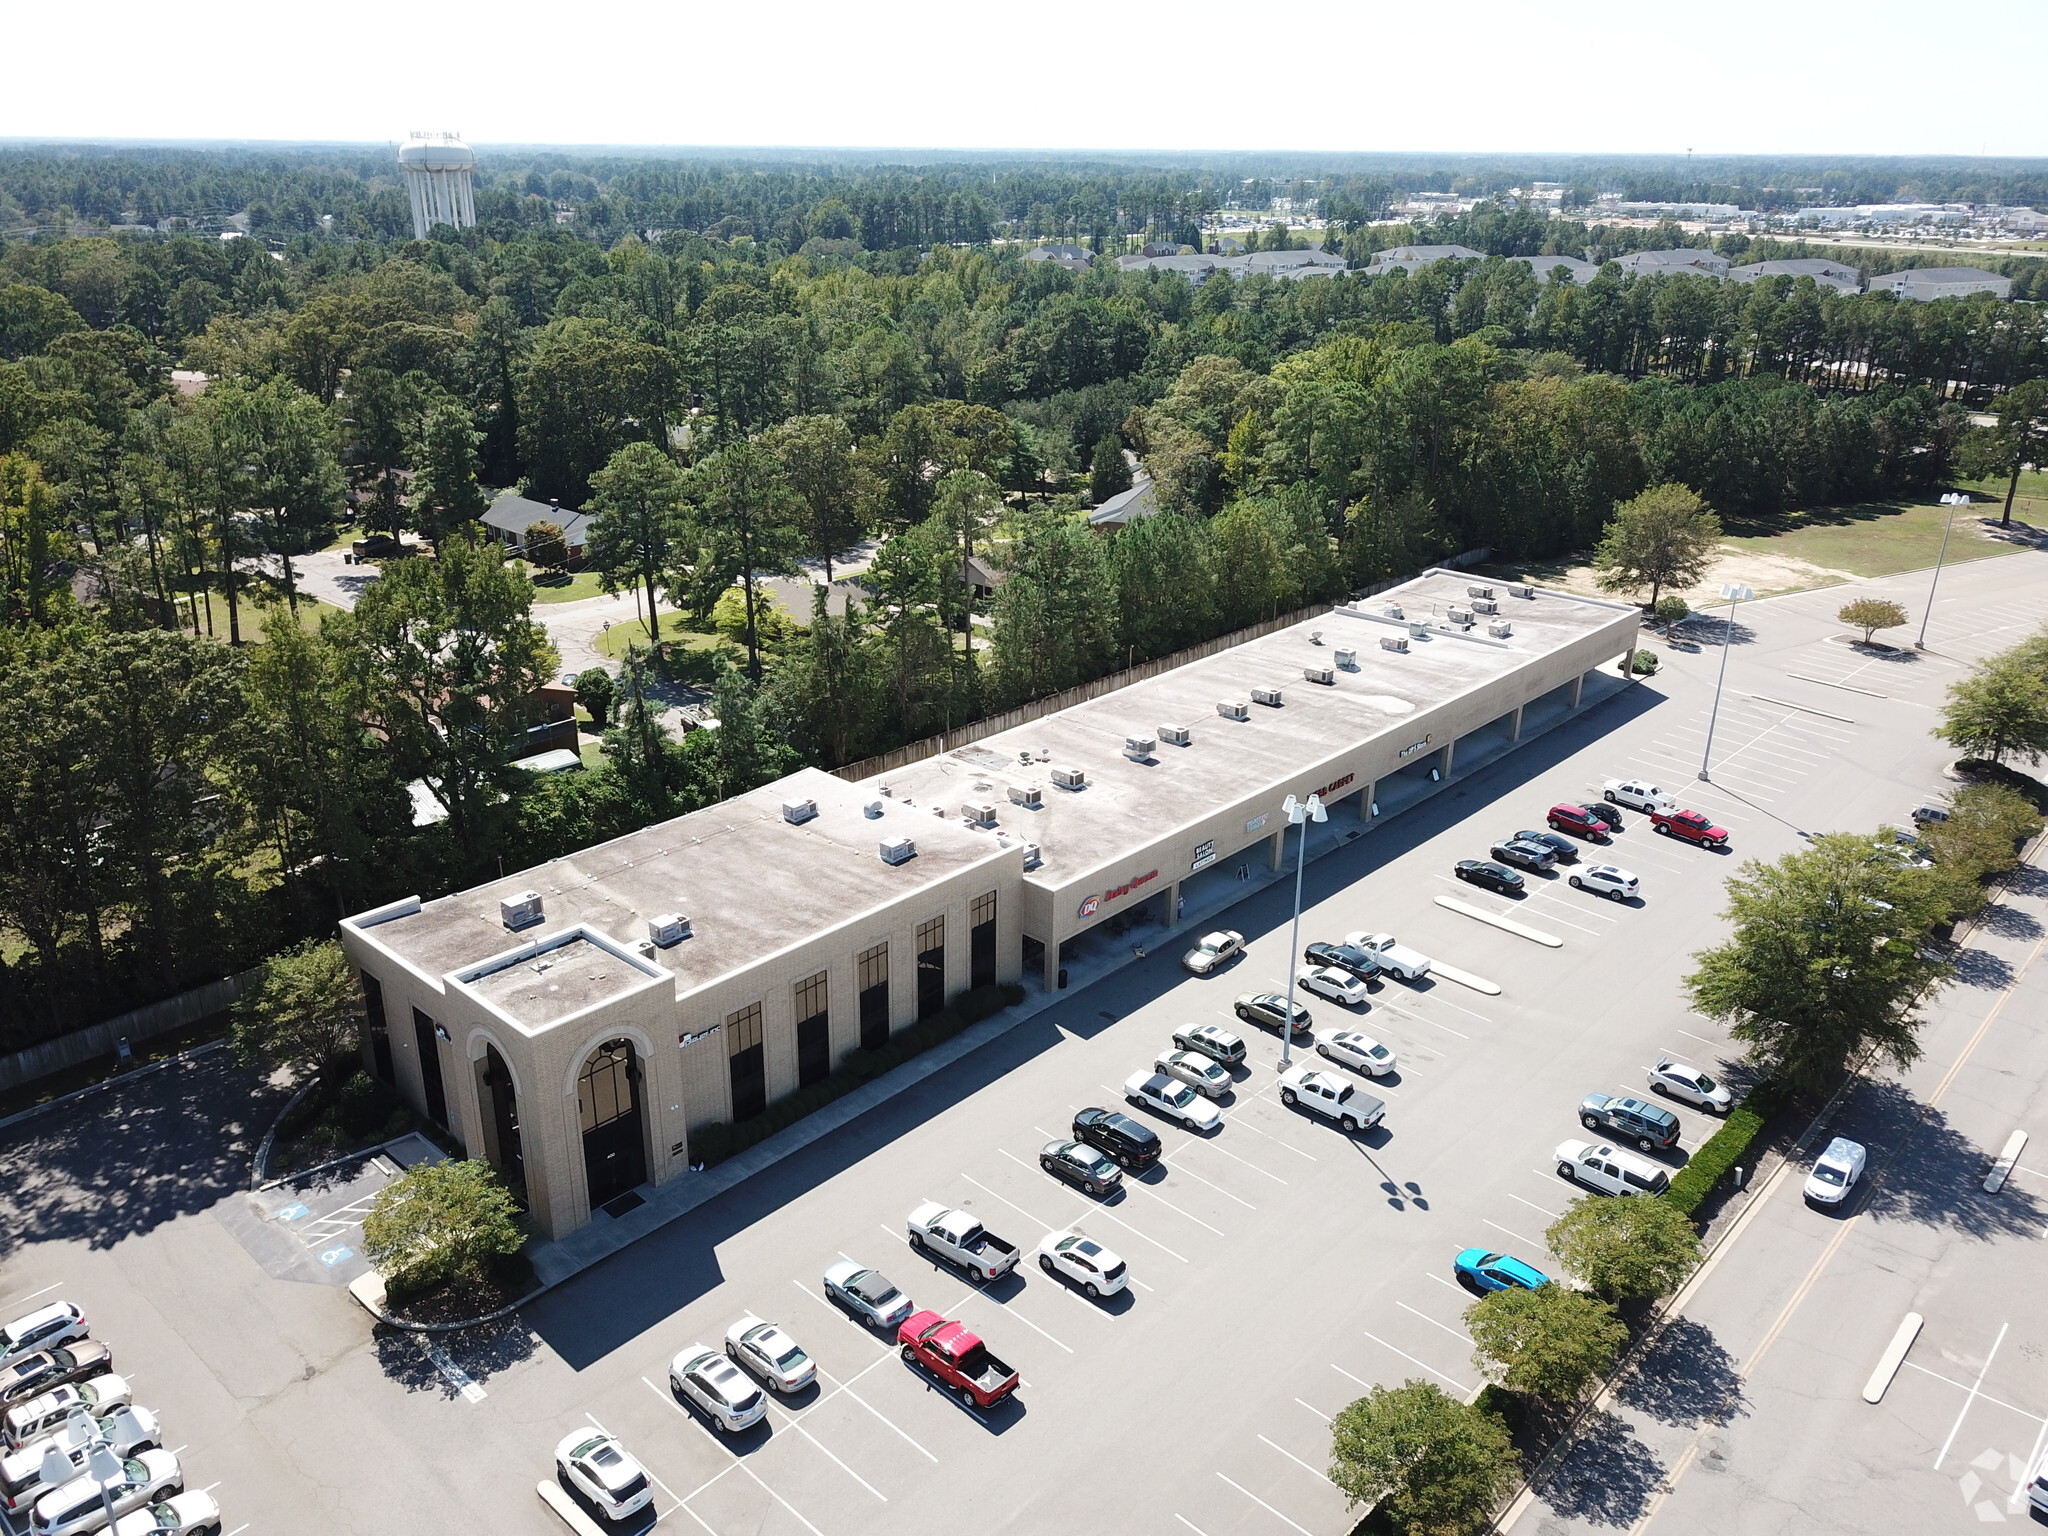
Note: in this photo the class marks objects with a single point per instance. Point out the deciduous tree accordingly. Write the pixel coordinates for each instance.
(1624, 1249)
(1870, 614)
(1548, 1342)
(440, 1221)
(1435, 1465)
(2000, 710)
(1664, 537)
(304, 1011)
(634, 539)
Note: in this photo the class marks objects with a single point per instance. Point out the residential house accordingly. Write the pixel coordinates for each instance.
(1925, 283)
(511, 515)
(1581, 272)
(1829, 275)
(1688, 262)
(1410, 258)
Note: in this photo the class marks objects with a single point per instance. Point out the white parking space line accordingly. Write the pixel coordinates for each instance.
(1701, 1038)
(1211, 1146)
(778, 1498)
(1184, 1520)
(32, 1295)
(1281, 1142)
(1511, 1232)
(1538, 1209)
(1092, 1210)
(847, 1387)
(1383, 1344)
(680, 1503)
(1975, 1388)
(842, 1466)
(1416, 1018)
(1316, 1471)
(1180, 1166)
(1982, 1397)
(1050, 1226)
(2019, 1492)
(1269, 1509)
(1316, 1411)
(454, 1374)
(1447, 1328)
(1190, 1215)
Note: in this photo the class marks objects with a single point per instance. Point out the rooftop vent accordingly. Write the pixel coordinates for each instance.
(1522, 590)
(1176, 735)
(1234, 709)
(1396, 611)
(939, 811)
(1032, 857)
(516, 911)
(1393, 642)
(1500, 629)
(1139, 749)
(1270, 697)
(978, 813)
(898, 850)
(644, 948)
(1315, 637)
(668, 928)
(1030, 796)
(1479, 591)
(1347, 658)
(797, 812)
(884, 791)
(1070, 778)
(1323, 675)
(872, 810)
(1024, 756)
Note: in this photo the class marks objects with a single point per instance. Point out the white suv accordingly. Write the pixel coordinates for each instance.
(1331, 1097)
(58, 1323)
(1607, 880)
(717, 1388)
(1609, 1170)
(595, 1465)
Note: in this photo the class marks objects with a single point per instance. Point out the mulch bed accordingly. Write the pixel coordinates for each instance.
(455, 1302)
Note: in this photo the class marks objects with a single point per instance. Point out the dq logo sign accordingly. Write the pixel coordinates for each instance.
(1091, 906)
(1094, 903)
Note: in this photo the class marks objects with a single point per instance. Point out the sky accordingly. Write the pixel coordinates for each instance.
(1876, 77)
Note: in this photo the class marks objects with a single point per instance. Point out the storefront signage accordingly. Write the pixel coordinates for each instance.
(1332, 787)
(1420, 746)
(701, 1034)
(1094, 903)
(1255, 823)
(1204, 857)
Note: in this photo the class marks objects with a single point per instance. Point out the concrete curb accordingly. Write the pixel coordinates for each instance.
(259, 1167)
(368, 1292)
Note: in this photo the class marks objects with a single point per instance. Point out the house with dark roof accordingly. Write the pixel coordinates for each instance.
(1680, 262)
(1141, 500)
(1075, 258)
(1830, 275)
(512, 514)
(1581, 272)
(1408, 258)
(1927, 283)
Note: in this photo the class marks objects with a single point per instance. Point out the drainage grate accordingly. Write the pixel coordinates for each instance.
(629, 1201)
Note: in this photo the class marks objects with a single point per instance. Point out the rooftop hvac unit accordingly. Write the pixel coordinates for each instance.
(1030, 796)
(1070, 778)
(518, 910)
(872, 810)
(898, 850)
(797, 812)
(1418, 631)
(1460, 616)
(1479, 591)
(1032, 857)
(1270, 697)
(1234, 709)
(1396, 611)
(979, 813)
(1485, 605)
(1523, 590)
(668, 928)
(1324, 675)
(1393, 642)
(1178, 735)
(1347, 658)
(1139, 749)
(1500, 629)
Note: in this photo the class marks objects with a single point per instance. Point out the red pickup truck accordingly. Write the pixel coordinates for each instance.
(957, 1358)
(1691, 826)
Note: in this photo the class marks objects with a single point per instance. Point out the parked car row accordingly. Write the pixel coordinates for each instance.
(63, 1403)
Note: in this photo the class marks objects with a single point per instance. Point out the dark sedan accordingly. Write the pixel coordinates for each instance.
(1362, 963)
(48, 1368)
(1495, 877)
(1607, 815)
(1563, 849)
(1081, 1166)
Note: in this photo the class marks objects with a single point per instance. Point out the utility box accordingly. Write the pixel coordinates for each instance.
(1460, 616)
(1070, 778)
(1522, 589)
(1324, 675)
(898, 850)
(1176, 735)
(1347, 658)
(978, 813)
(668, 928)
(1479, 592)
(1393, 642)
(797, 812)
(1396, 611)
(518, 910)
(1270, 697)
(1500, 629)
(1030, 796)
(1485, 605)
(1234, 709)
(1032, 857)
(1139, 749)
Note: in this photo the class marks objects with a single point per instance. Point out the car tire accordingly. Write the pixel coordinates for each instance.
(1658, 826)
(966, 1396)
(1577, 883)
(1568, 1173)
(1350, 1124)
(909, 1355)
(1660, 1090)
(1645, 1144)
(1287, 1096)
(1094, 1291)
(1610, 797)
(1589, 1122)
(917, 1241)
(1324, 1052)
(1616, 896)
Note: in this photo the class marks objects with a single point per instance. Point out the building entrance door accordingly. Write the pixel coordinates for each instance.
(614, 1133)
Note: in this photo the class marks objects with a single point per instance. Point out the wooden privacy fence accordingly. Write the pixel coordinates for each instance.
(83, 1045)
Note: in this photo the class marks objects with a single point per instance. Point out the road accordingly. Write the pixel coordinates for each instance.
(1280, 1267)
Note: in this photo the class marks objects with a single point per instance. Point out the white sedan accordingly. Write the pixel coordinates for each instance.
(1175, 1100)
(1196, 1070)
(183, 1514)
(1682, 1080)
(591, 1462)
(715, 1386)
(1213, 951)
(764, 1350)
(1355, 1050)
(1338, 986)
(1080, 1260)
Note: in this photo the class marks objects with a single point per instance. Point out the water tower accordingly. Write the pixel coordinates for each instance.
(437, 168)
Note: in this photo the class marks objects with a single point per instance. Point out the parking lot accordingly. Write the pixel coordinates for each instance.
(1279, 1267)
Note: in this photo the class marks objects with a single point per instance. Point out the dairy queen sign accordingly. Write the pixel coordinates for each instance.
(1093, 904)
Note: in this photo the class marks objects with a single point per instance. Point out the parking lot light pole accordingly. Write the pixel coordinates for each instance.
(1735, 592)
(1951, 500)
(1299, 813)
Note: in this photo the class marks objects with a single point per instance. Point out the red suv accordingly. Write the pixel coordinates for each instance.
(1566, 817)
(1691, 826)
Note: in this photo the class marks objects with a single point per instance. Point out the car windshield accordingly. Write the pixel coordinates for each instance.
(1094, 1162)
(1828, 1173)
(873, 1287)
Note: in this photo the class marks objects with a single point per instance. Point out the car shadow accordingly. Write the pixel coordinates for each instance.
(997, 1420)
(635, 1524)
(1686, 1377)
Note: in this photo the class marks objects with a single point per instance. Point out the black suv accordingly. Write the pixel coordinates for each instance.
(1649, 1126)
(1133, 1146)
(1362, 963)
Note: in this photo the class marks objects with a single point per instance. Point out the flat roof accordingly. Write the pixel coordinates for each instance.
(750, 882)
(1129, 806)
(535, 990)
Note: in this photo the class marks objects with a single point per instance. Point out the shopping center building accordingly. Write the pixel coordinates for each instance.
(574, 1023)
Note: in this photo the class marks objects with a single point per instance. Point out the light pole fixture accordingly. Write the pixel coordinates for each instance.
(1735, 592)
(1951, 500)
(1299, 813)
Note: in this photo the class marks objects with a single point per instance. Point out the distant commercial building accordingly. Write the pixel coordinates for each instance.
(1410, 258)
(1695, 211)
(437, 169)
(579, 1023)
(1644, 263)
(1830, 275)
(1927, 283)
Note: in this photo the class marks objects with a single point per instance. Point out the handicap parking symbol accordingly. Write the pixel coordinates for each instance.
(333, 1256)
(297, 1212)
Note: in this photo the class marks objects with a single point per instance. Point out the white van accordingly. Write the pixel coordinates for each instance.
(1609, 1170)
(1835, 1172)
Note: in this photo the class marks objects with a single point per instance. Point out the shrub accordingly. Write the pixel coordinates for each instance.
(714, 1143)
(1429, 1462)
(441, 1221)
(303, 1011)
(1643, 663)
(1548, 1342)
(1724, 1149)
(1671, 610)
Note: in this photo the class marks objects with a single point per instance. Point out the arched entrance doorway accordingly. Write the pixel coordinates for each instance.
(614, 1136)
(501, 1109)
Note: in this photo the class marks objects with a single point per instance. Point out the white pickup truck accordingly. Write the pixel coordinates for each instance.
(961, 1240)
(1638, 795)
(1395, 959)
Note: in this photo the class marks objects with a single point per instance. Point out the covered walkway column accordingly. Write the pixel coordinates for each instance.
(1449, 752)
(1365, 799)
(1273, 847)
(1578, 687)
(1515, 734)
